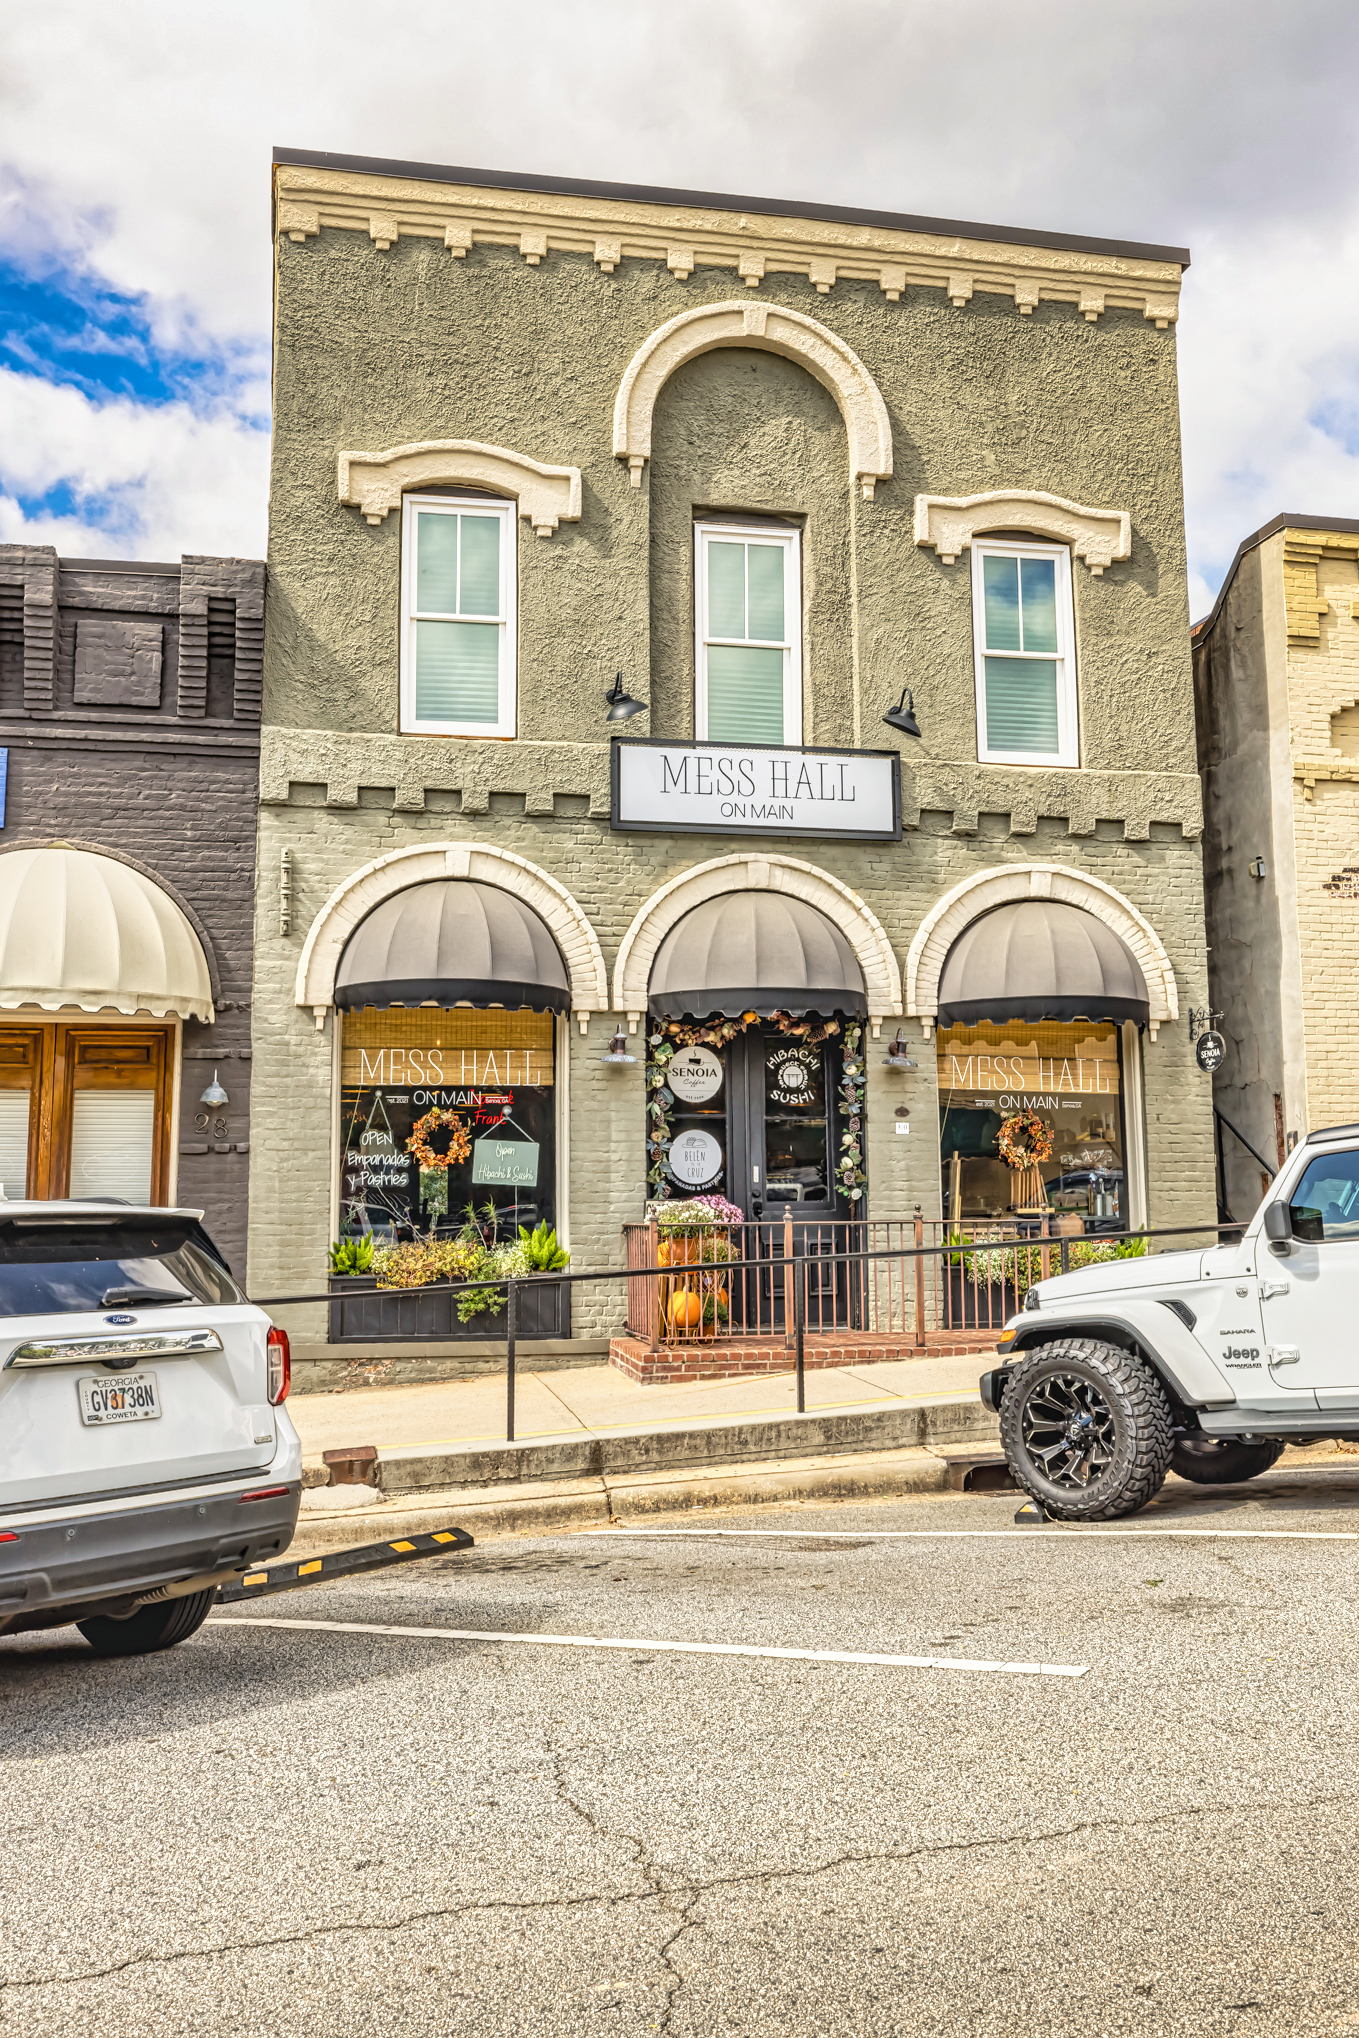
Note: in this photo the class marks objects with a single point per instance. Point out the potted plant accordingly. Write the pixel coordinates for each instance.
(694, 1232)
(544, 1308)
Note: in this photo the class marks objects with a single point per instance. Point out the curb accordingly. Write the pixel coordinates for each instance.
(696, 1451)
(595, 1502)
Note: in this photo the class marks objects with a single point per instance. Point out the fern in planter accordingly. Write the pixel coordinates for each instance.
(541, 1250)
(352, 1256)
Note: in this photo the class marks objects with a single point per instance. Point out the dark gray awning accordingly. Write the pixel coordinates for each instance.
(448, 943)
(1039, 959)
(755, 952)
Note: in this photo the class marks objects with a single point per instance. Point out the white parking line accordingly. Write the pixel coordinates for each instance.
(1071, 1532)
(357, 1627)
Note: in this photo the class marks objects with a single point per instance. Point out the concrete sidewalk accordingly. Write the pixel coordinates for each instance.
(599, 1401)
(591, 1446)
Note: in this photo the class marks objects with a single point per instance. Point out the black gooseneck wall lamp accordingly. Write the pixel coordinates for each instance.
(622, 707)
(902, 716)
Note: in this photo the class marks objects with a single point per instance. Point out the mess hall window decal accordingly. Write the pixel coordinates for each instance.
(1070, 1077)
(441, 1110)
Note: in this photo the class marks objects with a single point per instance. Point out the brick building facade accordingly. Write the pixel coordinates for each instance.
(129, 717)
(1276, 671)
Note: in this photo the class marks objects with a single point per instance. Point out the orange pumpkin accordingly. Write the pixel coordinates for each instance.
(686, 1309)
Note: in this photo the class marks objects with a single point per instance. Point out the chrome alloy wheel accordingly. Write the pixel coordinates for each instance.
(1068, 1430)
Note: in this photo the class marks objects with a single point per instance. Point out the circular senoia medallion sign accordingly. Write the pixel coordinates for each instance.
(694, 1074)
(695, 1159)
(1210, 1051)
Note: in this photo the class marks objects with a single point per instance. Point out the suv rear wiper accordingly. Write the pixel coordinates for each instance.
(142, 1298)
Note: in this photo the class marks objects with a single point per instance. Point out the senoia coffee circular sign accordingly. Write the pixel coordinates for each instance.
(1210, 1051)
(694, 1074)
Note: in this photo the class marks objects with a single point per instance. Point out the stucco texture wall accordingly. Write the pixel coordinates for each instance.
(377, 349)
(381, 348)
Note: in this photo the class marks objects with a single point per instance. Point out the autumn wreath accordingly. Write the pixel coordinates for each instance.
(459, 1145)
(1024, 1139)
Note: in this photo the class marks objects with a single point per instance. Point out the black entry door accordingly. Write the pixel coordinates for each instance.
(782, 1131)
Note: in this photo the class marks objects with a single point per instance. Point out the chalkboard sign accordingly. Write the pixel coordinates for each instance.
(505, 1163)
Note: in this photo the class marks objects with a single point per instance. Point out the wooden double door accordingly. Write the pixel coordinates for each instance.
(85, 1111)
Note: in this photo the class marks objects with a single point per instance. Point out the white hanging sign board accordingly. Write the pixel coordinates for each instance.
(724, 788)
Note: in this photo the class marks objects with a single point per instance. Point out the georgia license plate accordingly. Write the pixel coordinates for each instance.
(132, 1397)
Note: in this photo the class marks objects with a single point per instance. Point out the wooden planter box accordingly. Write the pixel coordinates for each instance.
(361, 1314)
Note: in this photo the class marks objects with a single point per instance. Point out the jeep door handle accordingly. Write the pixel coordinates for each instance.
(1284, 1355)
(1271, 1288)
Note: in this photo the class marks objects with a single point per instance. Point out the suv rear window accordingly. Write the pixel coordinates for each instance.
(48, 1269)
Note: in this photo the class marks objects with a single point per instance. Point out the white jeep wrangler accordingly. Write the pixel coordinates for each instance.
(1204, 1362)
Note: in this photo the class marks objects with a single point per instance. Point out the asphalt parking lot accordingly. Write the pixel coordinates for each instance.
(321, 1829)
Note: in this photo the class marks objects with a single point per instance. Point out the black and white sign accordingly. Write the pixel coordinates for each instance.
(1210, 1051)
(695, 1158)
(726, 788)
(694, 1074)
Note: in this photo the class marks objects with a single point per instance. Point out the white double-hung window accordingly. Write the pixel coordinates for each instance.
(1025, 650)
(457, 628)
(748, 647)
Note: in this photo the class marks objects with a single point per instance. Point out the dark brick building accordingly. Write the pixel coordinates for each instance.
(129, 737)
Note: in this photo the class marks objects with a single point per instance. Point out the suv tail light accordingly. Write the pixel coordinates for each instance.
(280, 1365)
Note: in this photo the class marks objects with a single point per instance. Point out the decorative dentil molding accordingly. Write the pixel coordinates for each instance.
(774, 330)
(977, 895)
(760, 872)
(354, 898)
(688, 237)
(949, 523)
(375, 482)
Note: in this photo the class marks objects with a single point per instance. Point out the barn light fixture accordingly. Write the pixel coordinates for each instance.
(618, 1056)
(621, 705)
(214, 1095)
(898, 1055)
(902, 716)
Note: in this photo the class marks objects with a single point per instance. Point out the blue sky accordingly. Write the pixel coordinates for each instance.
(134, 193)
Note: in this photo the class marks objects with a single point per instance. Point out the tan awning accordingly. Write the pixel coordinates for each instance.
(85, 932)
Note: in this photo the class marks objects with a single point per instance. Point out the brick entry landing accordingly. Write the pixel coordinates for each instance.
(734, 1358)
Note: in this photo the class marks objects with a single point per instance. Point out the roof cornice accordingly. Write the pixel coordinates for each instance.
(686, 230)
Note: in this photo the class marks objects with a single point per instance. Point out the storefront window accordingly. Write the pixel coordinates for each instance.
(477, 1084)
(1070, 1076)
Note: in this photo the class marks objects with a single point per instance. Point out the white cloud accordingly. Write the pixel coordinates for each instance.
(149, 481)
(140, 138)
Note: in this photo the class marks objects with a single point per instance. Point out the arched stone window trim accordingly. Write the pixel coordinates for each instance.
(772, 329)
(977, 895)
(363, 889)
(375, 482)
(860, 927)
(949, 523)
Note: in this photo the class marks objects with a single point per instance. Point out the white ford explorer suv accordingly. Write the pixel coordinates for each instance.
(145, 1456)
(1204, 1362)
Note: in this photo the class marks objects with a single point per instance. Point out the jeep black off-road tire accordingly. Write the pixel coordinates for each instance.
(1086, 1429)
(151, 1627)
(1217, 1461)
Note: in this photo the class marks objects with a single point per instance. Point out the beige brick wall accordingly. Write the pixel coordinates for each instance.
(1322, 589)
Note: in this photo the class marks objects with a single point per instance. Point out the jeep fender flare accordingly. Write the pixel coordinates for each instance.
(1158, 1351)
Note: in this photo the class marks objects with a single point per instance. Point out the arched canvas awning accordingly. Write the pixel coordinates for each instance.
(755, 952)
(452, 942)
(85, 932)
(1040, 959)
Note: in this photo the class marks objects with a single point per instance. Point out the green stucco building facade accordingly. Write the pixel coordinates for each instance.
(777, 466)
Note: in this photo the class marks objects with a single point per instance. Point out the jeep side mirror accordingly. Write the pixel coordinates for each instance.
(1278, 1228)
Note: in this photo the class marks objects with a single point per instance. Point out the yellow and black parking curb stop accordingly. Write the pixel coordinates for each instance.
(342, 1564)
